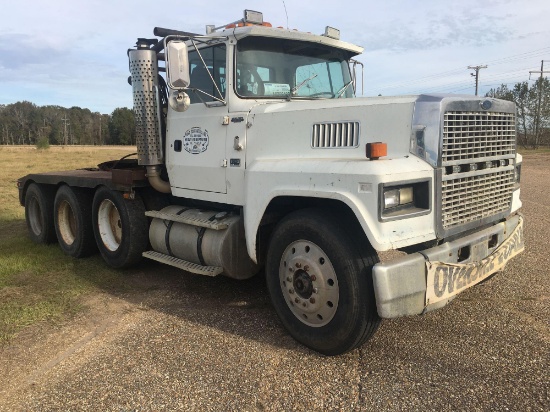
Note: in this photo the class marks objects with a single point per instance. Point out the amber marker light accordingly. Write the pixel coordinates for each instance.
(376, 150)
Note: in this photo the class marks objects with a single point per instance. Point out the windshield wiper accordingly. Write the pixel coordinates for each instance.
(343, 89)
(295, 89)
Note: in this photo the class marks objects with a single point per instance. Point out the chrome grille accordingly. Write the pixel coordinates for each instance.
(481, 146)
(472, 198)
(478, 135)
(335, 135)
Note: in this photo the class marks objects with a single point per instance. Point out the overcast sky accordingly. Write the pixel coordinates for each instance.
(73, 52)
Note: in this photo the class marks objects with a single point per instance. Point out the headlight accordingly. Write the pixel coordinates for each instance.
(406, 199)
(398, 197)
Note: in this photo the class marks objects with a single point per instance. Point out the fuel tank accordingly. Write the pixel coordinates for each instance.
(224, 248)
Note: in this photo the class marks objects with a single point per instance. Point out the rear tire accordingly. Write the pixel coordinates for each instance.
(39, 213)
(73, 221)
(120, 228)
(320, 281)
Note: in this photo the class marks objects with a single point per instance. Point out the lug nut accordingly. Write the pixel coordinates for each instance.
(298, 265)
(291, 269)
(291, 291)
(289, 279)
(311, 300)
(304, 304)
(297, 300)
(315, 290)
(313, 278)
(306, 268)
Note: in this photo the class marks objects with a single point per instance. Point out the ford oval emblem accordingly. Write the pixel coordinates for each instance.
(486, 104)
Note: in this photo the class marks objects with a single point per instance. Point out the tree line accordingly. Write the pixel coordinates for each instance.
(25, 123)
(533, 110)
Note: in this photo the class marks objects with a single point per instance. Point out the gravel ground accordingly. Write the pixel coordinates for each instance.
(184, 342)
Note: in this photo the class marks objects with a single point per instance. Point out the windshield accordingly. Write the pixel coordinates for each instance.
(269, 67)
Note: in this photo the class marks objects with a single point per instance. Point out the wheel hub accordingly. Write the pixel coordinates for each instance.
(303, 285)
(309, 283)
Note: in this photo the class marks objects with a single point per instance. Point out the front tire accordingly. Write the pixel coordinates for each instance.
(73, 221)
(120, 228)
(320, 282)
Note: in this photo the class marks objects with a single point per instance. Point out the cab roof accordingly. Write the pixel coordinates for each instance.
(263, 31)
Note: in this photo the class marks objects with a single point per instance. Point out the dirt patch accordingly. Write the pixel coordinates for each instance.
(26, 362)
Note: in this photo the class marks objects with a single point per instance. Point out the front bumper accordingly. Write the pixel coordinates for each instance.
(428, 280)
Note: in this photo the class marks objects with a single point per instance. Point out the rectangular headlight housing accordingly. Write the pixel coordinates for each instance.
(399, 200)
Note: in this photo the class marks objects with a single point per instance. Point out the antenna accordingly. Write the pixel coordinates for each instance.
(286, 14)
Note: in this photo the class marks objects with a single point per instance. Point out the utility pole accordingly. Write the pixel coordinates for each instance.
(42, 129)
(100, 129)
(65, 120)
(476, 75)
(537, 120)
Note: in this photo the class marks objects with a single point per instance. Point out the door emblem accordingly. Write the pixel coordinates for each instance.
(195, 140)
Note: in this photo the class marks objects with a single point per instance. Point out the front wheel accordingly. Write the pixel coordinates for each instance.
(120, 227)
(320, 282)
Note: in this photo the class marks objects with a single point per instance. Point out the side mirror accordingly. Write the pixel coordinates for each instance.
(177, 65)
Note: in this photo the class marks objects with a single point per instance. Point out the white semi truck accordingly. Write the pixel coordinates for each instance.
(253, 152)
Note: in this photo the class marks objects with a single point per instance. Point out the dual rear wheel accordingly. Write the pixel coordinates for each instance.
(73, 223)
(120, 227)
(83, 222)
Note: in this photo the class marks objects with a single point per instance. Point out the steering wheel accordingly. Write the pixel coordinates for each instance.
(253, 84)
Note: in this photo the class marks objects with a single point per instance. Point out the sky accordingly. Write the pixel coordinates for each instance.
(73, 52)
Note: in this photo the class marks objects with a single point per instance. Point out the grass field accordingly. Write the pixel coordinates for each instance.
(38, 282)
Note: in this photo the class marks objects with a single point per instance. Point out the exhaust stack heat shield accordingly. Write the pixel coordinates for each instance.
(144, 71)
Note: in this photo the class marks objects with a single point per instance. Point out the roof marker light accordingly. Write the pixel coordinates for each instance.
(332, 33)
(254, 17)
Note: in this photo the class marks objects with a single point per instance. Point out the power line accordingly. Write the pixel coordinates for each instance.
(521, 56)
(431, 77)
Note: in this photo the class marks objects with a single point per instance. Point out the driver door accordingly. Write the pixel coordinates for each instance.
(197, 137)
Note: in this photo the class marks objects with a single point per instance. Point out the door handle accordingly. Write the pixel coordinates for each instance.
(237, 145)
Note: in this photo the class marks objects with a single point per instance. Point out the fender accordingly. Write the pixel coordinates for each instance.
(354, 183)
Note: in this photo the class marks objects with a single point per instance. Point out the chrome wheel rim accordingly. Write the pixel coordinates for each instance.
(35, 216)
(110, 225)
(309, 283)
(66, 222)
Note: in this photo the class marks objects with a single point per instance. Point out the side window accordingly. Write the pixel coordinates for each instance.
(214, 57)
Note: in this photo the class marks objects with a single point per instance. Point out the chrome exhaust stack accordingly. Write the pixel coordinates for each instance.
(147, 111)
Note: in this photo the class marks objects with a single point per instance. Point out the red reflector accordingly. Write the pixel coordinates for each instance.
(376, 150)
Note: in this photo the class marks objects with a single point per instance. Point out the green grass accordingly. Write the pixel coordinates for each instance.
(38, 282)
(540, 150)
